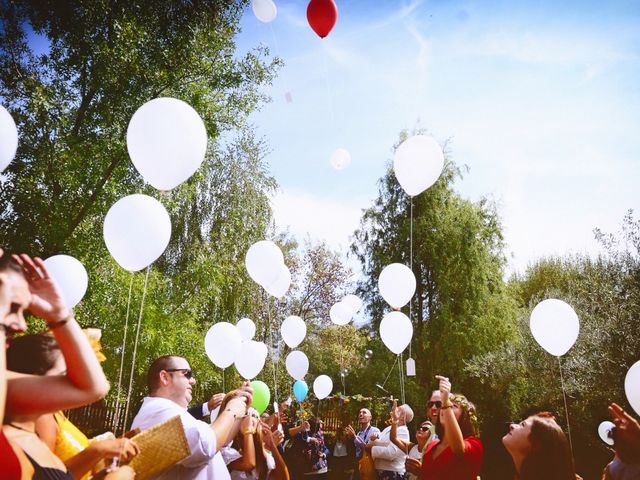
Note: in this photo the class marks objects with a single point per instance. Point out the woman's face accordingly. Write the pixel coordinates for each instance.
(516, 441)
(424, 431)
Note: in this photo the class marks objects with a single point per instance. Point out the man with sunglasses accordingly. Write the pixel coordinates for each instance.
(432, 408)
(170, 382)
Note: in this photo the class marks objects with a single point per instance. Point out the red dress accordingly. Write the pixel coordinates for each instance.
(450, 467)
(9, 463)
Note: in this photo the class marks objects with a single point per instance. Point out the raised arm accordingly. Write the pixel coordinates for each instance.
(396, 413)
(271, 440)
(247, 462)
(227, 425)
(84, 382)
(453, 434)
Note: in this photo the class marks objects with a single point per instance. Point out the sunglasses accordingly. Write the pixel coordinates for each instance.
(185, 371)
(437, 404)
(424, 429)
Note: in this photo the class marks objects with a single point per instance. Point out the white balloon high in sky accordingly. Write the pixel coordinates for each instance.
(281, 284)
(8, 138)
(264, 10)
(555, 326)
(250, 359)
(167, 141)
(418, 163)
(340, 159)
(137, 230)
(71, 277)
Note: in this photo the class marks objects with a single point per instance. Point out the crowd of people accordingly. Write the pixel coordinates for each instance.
(43, 374)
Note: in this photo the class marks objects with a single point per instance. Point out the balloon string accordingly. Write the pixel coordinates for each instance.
(224, 390)
(273, 359)
(390, 370)
(410, 257)
(135, 348)
(116, 421)
(566, 410)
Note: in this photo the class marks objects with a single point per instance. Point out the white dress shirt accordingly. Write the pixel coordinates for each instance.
(386, 456)
(205, 462)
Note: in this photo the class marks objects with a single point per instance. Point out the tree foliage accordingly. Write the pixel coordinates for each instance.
(461, 306)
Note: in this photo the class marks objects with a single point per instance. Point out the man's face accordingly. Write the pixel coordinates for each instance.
(433, 406)
(18, 296)
(178, 386)
(364, 416)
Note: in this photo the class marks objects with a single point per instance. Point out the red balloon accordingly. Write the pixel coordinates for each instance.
(322, 16)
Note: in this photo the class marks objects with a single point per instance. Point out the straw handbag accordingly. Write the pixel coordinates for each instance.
(161, 446)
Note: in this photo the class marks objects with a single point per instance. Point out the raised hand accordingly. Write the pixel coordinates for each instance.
(445, 388)
(626, 434)
(396, 411)
(215, 401)
(46, 298)
(349, 431)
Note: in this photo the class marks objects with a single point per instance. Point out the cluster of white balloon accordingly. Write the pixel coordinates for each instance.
(167, 142)
(265, 265)
(417, 164)
(342, 312)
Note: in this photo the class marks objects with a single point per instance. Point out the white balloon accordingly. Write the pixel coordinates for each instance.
(281, 285)
(264, 10)
(341, 313)
(632, 386)
(250, 359)
(247, 328)
(418, 163)
(137, 230)
(293, 331)
(8, 138)
(604, 432)
(322, 386)
(263, 261)
(555, 326)
(397, 284)
(71, 277)
(222, 344)
(396, 331)
(297, 364)
(340, 159)
(354, 302)
(167, 141)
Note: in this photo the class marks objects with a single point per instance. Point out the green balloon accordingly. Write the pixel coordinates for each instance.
(261, 396)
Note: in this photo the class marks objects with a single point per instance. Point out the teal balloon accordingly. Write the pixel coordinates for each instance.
(300, 390)
(261, 396)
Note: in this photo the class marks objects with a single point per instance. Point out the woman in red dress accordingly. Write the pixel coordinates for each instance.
(457, 454)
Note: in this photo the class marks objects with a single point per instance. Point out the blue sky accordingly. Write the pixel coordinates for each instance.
(540, 100)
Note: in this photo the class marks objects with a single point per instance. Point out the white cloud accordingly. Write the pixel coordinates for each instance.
(320, 218)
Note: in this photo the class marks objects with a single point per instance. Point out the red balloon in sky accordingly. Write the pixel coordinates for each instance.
(322, 16)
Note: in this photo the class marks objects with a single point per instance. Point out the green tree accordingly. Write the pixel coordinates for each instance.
(461, 306)
(605, 293)
(72, 74)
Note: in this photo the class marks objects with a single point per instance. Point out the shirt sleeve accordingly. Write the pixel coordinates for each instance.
(201, 439)
(473, 450)
(389, 451)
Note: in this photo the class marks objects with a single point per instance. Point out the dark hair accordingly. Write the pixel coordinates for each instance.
(153, 374)
(34, 354)
(468, 420)
(7, 262)
(550, 457)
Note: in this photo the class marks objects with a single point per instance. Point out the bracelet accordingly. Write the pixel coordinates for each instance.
(394, 422)
(60, 323)
(444, 407)
(248, 432)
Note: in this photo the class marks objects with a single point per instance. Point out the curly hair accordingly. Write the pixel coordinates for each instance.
(550, 456)
(468, 420)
